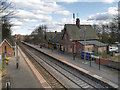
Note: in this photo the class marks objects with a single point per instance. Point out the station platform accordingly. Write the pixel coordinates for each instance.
(106, 74)
(23, 77)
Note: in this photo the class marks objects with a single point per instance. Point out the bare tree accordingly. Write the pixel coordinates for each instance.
(6, 9)
(6, 13)
(39, 34)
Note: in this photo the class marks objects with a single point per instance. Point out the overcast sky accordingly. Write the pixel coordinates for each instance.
(31, 13)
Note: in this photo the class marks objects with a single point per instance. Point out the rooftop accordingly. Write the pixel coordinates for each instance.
(57, 38)
(76, 33)
(93, 42)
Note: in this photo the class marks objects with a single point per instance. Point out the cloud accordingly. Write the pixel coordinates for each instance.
(16, 22)
(108, 1)
(64, 12)
(15, 28)
(98, 18)
(40, 11)
(106, 16)
(59, 25)
(37, 10)
(72, 1)
(30, 20)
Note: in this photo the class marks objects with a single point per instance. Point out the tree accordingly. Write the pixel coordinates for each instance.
(39, 34)
(6, 14)
(109, 33)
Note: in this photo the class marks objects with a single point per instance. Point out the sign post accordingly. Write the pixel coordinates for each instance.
(90, 62)
(99, 63)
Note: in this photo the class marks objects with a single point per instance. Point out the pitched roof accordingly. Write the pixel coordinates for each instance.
(6, 41)
(50, 35)
(93, 42)
(57, 38)
(76, 33)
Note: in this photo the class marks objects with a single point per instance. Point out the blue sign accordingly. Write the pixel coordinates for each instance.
(93, 56)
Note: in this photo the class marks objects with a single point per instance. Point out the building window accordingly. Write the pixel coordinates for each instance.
(5, 48)
(69, 49)
(74, 49)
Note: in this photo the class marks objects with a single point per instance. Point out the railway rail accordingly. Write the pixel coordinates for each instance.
(53, 82)
(76, 80)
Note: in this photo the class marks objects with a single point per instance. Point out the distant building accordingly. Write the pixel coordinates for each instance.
(18, 36)
(7, 48)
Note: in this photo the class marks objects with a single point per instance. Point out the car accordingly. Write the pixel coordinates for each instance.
(111, 49)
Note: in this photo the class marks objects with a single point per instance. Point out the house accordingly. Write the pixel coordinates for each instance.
(7, 48)
(74, 36)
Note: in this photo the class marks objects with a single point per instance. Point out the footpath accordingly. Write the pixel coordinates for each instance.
(109, 74)
(23, 77)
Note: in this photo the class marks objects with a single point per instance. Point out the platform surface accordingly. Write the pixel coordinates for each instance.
(104, 72)
(23, 77)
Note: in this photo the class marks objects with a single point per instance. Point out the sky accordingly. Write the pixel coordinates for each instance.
(56, 13)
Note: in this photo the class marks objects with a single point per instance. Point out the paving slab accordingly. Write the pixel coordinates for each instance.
(23, 77)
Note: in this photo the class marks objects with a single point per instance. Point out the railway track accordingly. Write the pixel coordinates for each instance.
(53, 82)
(76, 80)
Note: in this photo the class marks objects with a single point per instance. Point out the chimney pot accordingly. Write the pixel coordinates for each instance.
(78, 22)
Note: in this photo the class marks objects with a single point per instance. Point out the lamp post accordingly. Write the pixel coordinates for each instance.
(16, 56)
(84, 42)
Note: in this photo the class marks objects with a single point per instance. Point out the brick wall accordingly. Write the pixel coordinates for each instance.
(89, 48)
(70, 46)
(79, 48)
(9, 49)
(102, 49)
(67, 44)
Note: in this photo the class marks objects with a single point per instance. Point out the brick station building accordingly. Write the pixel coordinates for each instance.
(7, 48)
(73, 39)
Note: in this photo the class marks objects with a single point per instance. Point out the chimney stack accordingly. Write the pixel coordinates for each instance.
(55, 32)
(78, 22)
(62, 30)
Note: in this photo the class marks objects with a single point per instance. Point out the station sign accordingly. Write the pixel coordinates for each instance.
(93, 56)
